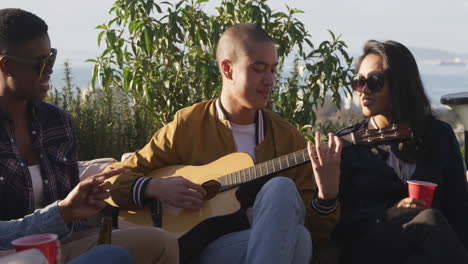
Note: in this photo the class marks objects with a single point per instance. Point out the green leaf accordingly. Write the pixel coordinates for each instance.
(148, 6)
(103, 26)
(95, 75)
(149, 41)
(179, 4)
(158, 8)
(100, 37)
(230, 8)
(333, 35)
(110, 39)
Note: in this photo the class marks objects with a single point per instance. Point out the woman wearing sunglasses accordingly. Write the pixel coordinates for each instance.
(379, 222)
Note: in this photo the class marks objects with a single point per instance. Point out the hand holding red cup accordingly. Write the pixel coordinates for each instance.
(422, 190)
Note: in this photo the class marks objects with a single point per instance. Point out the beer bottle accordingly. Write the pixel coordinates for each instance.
(105, 231)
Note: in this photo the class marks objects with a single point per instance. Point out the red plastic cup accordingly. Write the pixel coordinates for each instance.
(422, 190)
(46, 243)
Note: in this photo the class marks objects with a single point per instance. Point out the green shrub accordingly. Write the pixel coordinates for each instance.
(163, 56)
(160, 57)
(108, 123)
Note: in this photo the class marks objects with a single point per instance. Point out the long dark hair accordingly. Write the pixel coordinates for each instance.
(408, 100)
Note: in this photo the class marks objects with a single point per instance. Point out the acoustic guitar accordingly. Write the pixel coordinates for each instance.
(221, 179)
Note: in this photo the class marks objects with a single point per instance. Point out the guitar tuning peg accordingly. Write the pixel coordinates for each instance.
(400, 146)
(374, 151)
(387, 147)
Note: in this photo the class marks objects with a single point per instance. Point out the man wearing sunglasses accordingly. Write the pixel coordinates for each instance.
(38, 161)
(41, 64)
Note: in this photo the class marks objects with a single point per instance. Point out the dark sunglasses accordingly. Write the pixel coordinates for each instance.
(375, 82)
(42, 63)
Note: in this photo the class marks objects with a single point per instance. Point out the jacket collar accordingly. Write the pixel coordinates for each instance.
(259, 124)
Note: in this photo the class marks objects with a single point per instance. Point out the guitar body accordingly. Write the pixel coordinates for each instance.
(179, 221)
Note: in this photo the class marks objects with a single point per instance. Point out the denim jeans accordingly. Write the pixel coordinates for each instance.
(105, 254)
(277, 233)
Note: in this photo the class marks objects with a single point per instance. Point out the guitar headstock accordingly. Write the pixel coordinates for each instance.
(374, 137)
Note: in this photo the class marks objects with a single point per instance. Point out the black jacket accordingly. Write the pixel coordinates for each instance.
(368, 186)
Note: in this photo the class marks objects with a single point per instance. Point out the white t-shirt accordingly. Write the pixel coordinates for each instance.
(244, 136)
(38, 186)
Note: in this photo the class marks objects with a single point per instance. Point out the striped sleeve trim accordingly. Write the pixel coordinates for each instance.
(324, 209)
(138, 188)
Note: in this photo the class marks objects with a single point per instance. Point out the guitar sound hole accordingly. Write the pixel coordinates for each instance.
(212, 188)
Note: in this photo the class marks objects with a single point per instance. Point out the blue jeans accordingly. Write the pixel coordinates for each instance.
(106, 254)
(277, 233)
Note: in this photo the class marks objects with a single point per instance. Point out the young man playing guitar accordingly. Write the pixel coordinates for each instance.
(287, 211)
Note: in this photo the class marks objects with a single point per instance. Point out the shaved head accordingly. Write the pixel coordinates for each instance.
(237, 41)
(247, 60)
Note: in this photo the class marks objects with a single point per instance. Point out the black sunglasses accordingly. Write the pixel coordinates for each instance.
(42, 63)
(375, 82)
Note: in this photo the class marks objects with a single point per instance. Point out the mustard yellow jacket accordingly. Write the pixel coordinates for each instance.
(197, 136)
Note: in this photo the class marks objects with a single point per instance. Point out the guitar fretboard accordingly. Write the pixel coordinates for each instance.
(272, 166)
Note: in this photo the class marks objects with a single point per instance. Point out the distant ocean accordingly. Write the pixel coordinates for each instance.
(438, 80)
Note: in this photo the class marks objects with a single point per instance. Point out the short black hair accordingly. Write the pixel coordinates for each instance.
(408, 99)
(18, 26)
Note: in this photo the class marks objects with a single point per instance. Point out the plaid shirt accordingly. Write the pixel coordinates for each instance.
(54, 140)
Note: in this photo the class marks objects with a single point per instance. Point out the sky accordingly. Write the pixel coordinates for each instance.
(433, 24)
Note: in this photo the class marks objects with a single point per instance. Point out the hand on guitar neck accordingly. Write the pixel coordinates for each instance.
(326, 166)
(176, 191)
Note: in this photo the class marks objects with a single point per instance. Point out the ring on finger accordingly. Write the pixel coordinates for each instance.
(408, 205)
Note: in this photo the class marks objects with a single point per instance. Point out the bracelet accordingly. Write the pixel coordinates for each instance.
(326, 203)
(324, 207)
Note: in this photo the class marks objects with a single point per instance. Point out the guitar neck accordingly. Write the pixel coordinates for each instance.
(273, 166)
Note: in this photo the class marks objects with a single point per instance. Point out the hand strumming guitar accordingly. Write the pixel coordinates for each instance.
(176, 191)
(326, 167)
